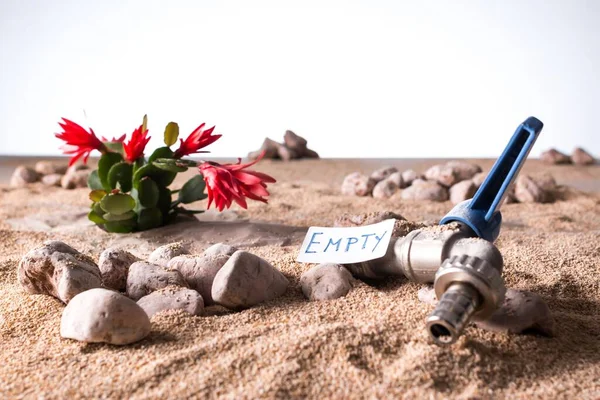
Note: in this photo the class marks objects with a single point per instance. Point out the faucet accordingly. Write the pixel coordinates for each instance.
(458, 256)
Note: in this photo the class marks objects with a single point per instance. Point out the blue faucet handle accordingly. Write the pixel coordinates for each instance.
(481, 213)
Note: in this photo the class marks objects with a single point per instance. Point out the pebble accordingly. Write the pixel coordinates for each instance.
(162, 255)
(554, 156)
(199, 271)
(58, 270)
(442, 174)
(409, 176)
(520, 312)
(246, 280)
(527, 190)
(114, 267)
(144, 278)
(401, 226)
(326, 282)
(383, 173)
(75, 177)
(396, 177)
(295, 142)
(582, 157)
(478, 179)
(385, 189)
(357, 184)
(23, 175)
(464, 170)
(172, 298)
(425, 190)
(52, 179)
(462, 191)
(104, 316)
(50, 168)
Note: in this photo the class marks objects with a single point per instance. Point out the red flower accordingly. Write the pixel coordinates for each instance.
(197, 140)
(114, 139)
(135, 148)
(79, 142)
(230, 182)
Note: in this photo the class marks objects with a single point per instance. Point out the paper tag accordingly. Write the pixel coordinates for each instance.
(346, 245)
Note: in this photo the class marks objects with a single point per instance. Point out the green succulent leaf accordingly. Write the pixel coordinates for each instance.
(95, 218)
(97, 195)
(98, 209)
(159, 176)
(164, 200)
(94, 182)
(192, 190)
(148, 192)
(121, 174)
(171, 133)
(150, 218)
(161, 152)
(119, 217)
(177, 162)
(172, 167)
(125, 226)
(116, 147)
(117, 203)
(104, 165)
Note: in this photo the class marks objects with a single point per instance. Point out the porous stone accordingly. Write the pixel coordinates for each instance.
(462, 191)
(464, 170)
(308, 153)
(383, 173)
(425, 190)
(357, 184)
(58, 270)
(554, 156)
(385, 189)
(246, 280)
(52, 180)
(199, 271)
(581, 157)
(75, 177)
(527, 190)
(50, 168)
(172, 298)
(295, 142)
(545, 180)
(23, 175)
(114, 267)
(269, 147)
(326, 282)
(478, 179)
(442, 174)
(408, 177)
(104, 316)
(401, 226)
(162, 255)
(144, 278)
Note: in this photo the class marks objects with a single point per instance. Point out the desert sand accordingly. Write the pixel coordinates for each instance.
(369, 344)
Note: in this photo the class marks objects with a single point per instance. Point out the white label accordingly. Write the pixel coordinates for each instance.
(346, 245)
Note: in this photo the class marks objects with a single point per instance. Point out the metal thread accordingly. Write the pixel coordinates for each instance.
(452, 313)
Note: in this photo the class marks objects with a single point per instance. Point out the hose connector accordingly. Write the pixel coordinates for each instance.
(468, 288)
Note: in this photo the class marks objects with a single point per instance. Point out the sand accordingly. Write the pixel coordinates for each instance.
(370, 344)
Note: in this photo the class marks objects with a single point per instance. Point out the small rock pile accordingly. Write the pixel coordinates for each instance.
(51, 174)
(456, 181)
(293, 147)
(113, 301)
(578, 157)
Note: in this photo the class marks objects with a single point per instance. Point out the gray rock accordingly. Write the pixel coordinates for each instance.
(52, 180)
(270, 148)
(310, 154)
(545, 181)
(58, 270)
(326, 282)
(357, 184)
(478, 179)
(401, 226)
(144, 278)
(582, 157)
(162, 255)
(75, 177)
(246, 280)
(462, 191)
(23, 175)
(409, 176)
(50, 168)
(527, 190)
(172, 298)
(385, 189)
(464, 170)
(554, 156)
(114, 267)
(295, 142)
(425, 190)
(396, 177)
(104, 316)
(383, 173)
(442, 174)
(199, 271)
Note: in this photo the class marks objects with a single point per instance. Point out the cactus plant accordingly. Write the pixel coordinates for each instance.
(130, 192)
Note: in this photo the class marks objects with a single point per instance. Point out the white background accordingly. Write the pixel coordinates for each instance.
(357, 78)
